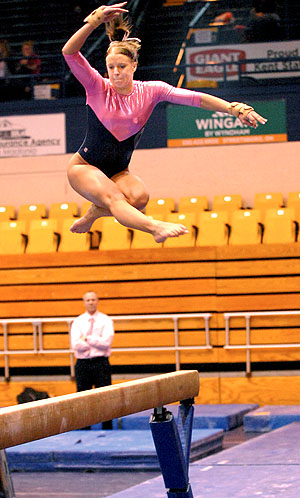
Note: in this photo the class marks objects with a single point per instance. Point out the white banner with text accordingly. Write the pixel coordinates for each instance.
(32, 135)
(206, 56)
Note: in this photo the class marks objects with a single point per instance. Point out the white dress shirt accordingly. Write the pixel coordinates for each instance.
(92, 335)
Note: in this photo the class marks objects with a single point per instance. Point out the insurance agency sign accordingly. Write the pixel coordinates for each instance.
(32, 135)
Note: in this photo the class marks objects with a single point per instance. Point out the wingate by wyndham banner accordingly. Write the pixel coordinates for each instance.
(192, 126)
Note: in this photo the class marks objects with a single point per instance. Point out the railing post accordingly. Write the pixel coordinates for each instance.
(5, 340)
(227, 330)
(207, 334)
(72, 367)
(176, 342)
(248, 341)
(225, 73)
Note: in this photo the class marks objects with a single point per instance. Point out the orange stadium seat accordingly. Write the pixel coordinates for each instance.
(279, 226)
(267, 201)
(144, 240)
(213, 229)
(85, 206)
(161, 207)
(293, 201)
(228, 203)
(114, 235)
(192, 204)
(28, 212)
(70, 241)
(12, 237)
(60, 210)
(95, 228)
(42, 236)
(246, 227)
(188, 239)
(7, 213)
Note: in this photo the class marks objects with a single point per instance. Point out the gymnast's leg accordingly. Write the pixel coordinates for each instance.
(105, 194)
(135, 194)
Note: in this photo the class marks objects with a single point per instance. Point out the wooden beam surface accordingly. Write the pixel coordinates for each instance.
(40, 419)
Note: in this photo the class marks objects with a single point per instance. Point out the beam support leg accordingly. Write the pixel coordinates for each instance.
(173, 442)
(6, 485)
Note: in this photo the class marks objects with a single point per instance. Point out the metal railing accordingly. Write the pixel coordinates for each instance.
(53, 70)
(248, 346)
(38, 346)
(223, 73)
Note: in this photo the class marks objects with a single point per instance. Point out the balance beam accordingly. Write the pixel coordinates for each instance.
(38, 419)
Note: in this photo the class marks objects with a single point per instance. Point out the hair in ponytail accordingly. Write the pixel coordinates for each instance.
(118, 31)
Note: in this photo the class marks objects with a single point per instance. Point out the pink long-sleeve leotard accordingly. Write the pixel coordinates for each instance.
(116, 122)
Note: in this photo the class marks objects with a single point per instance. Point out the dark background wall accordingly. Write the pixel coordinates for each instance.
(155, 135)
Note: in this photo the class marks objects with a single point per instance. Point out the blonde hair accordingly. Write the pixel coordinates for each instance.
(118, 32)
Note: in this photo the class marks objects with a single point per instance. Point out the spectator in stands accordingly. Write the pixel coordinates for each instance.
(91, 337)
(29, 64)
(264, 23)
(7, 68)
(118, 109)
(224, 19)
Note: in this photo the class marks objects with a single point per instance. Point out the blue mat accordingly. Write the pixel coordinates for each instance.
(268, 418)
(81, 450)
(266, 466)
(224, 417)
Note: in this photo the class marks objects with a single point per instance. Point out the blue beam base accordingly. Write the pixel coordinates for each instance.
(173, 443)
(180, 494)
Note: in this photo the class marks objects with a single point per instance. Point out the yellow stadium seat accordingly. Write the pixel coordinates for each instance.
(161, 207)
(279, 226)
(95, 228)
(192, 204)
(188, 239)
(227, 203)
(7, 213)
(71, 242)
(246, 227)
(267, 201)
(212, 228)
(144, 240)
(61, 210)
(114, 235)
(42, 236)
(12, 237)
(85, 206)
(293, 201)
(30, 212)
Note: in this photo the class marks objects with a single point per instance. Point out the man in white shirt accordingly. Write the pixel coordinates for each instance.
(91, 337)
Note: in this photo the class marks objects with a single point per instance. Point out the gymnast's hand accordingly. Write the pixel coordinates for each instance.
(252, 119)
(246, 114)
(105, 13)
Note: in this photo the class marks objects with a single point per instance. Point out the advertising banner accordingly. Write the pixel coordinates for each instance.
(230, 54)
(32, 135)
(193, 126)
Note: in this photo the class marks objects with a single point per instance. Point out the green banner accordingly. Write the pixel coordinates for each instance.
(192, 126)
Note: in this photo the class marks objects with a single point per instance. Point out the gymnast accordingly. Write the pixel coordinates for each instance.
(118, 108)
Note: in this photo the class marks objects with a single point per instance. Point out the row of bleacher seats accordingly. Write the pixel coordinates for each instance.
(34, 230)
(160, 206)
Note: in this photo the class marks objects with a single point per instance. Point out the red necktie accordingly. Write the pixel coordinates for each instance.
(90, 331)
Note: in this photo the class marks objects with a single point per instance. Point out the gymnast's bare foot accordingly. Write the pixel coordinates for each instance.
(163, 230)
(85, 222)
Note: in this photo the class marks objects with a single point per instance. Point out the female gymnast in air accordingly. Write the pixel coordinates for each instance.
(118, 108)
